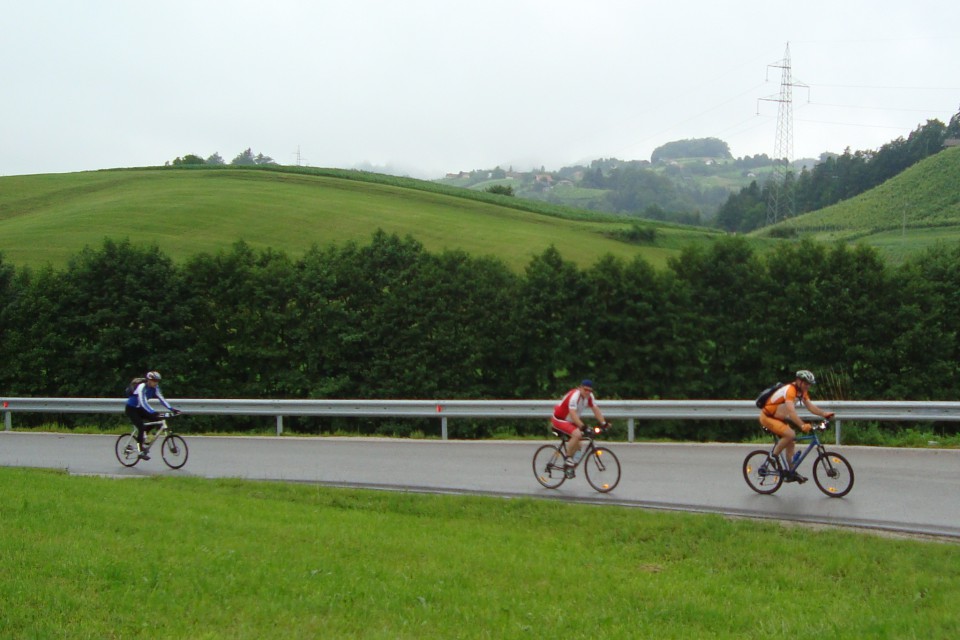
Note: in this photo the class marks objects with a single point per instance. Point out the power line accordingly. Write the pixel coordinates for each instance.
(865, 86)
(854, 106)
(853, 124)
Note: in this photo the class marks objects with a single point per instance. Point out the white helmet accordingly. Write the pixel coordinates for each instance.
(806, 376)
(153, 375)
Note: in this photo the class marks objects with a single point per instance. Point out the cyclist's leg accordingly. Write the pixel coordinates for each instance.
(569, 428)
(781, 428)
(136, 417)
(786, 444)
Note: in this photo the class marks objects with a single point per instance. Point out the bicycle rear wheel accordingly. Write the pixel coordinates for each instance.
(602, 469)
(548, 466)
(174, 451)
(833, 474)
(126, 449)
(762, 472)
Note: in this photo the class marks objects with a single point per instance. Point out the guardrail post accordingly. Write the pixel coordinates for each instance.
(443, 427)
(836, 424)
(7, 420)
(279, 425)
(630, 422)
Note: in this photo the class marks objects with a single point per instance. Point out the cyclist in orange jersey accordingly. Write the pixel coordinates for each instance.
(781, 410)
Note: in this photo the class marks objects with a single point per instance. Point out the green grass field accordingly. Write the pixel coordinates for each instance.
(49, 218)
(162, 557)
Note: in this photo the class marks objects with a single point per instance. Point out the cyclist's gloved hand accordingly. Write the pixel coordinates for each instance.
(806, 427)
(829, 415)
(176, 412)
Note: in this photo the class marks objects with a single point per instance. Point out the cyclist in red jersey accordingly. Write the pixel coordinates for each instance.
(568, 416)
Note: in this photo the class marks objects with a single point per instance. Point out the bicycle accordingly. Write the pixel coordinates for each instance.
(764, 471)
(601, 466)
(173, 448)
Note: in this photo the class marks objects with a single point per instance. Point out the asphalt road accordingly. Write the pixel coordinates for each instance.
(902, 490)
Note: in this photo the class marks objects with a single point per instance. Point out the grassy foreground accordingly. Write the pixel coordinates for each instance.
(90, 557)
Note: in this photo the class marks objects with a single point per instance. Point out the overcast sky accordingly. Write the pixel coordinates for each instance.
(426, 87)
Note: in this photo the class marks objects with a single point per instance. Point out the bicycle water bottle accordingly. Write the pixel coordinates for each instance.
(796, 457)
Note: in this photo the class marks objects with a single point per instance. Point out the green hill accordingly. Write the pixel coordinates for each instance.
(48, 218)
(912, 211)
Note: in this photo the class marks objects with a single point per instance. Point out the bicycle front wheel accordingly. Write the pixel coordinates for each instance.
(126, 449)
(762, 472)
(602, 469)
(174, 451)
(833, 474)
(548, 466)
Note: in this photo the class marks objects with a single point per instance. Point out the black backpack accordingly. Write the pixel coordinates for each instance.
(766, 393)
(132, 387)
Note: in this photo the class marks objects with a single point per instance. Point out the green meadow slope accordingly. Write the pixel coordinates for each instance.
(910, 212)
(46, 219)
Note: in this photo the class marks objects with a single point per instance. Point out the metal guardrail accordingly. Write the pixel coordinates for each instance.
(631, 410)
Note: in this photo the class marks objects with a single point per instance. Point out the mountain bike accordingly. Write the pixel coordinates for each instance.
(173, 448)
(766, 472)
(600, 465)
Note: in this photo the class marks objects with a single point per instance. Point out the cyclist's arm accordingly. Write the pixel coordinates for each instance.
(815, 410)
(598, 414)
(792, 414)
(575, 418)
(163, 400)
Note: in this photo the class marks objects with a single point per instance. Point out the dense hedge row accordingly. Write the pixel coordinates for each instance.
(389, 320)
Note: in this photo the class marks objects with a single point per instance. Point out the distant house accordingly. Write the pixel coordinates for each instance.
(951, 142)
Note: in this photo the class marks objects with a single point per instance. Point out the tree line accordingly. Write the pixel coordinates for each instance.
(390, 320)
(243, 159)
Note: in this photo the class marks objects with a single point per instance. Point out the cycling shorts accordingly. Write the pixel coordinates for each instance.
(564, 426)
(776, 426)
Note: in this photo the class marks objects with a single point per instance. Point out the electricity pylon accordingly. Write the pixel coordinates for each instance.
(783, 202)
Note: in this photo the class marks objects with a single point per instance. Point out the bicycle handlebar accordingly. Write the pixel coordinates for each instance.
(596, 429)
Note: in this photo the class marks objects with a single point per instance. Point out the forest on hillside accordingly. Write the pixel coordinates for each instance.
(698, 182)
(390, 320)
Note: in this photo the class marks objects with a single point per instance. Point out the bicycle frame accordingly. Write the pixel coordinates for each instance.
(148, 436)
(591, 445)
(814, 441)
